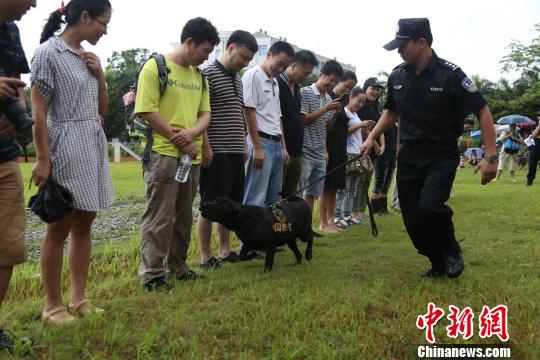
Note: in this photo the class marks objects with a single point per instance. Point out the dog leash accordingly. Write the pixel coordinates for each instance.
(374, 230)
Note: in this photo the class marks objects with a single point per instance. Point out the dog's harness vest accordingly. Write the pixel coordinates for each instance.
(281, 220)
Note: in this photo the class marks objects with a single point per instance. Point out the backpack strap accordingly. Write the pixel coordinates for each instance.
(163, 71)
(203, 78)
(163, 75)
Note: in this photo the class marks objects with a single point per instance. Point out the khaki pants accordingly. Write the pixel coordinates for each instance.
(12, 215)
(167, 219)
(507, 159)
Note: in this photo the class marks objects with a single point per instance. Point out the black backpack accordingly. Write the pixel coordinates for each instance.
(136, 125)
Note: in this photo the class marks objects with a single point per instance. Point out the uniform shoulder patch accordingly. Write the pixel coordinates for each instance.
(469, 85)
(448, 64)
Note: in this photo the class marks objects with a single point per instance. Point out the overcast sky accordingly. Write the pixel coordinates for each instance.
(472, 34)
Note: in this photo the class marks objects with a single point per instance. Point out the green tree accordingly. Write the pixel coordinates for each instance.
(523, 95)
(120, 73)
(526, 89)
(524, 58)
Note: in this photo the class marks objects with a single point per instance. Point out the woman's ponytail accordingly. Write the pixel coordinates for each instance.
(53, 25)
(71, 12)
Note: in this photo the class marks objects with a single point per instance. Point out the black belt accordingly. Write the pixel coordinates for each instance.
(268, 136)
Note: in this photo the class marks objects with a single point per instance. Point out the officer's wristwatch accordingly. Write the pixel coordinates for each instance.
(492, 159)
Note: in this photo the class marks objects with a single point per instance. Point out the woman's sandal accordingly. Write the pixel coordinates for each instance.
(327, 232)
(79, 310)
(46, 316)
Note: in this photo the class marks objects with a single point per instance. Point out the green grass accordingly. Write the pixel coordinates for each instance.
(357, 299)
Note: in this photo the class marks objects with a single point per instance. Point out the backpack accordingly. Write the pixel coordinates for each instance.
(511, 146)
(136, 125)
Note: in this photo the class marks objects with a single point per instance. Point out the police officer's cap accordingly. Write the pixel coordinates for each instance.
(408, 29)
(372, 81)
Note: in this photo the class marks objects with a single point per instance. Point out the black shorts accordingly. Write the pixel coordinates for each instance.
(225, 177)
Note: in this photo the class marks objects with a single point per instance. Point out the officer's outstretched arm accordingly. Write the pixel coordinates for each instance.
(388, 119)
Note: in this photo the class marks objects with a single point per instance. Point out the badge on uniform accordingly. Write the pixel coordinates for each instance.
(469, 85)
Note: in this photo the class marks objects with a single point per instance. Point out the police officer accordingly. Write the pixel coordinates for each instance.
(431, 98)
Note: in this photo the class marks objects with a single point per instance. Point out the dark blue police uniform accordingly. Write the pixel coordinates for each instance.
(431, 106)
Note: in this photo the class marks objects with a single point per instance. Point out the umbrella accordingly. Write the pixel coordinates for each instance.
(52, 202)
(479, 152)
(502, 128)
(518, 120)
(476, 134)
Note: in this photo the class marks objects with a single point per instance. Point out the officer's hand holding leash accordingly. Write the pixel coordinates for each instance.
(368, 146)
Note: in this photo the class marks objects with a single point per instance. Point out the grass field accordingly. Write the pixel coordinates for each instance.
(357, 299)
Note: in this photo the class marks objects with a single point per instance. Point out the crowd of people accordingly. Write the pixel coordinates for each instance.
(295, 136)
(516, 148)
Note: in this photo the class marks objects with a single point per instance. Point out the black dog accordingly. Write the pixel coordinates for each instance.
(265, 228)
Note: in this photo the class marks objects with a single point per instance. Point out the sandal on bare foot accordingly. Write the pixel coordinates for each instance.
(79, 309)
(327, 231)
(47, 316)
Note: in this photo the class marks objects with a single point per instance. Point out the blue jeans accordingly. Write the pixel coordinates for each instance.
(344, 197)
(312, 170)
(264, 185)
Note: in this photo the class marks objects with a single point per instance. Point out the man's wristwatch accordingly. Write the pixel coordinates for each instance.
(492, 159)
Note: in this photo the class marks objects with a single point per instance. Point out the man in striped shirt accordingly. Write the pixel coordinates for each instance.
(319, 113)
(224, 142)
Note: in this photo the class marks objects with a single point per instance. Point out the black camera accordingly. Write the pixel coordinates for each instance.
(16, 113)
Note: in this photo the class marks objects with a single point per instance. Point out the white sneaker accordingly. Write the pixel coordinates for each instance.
(340, 223)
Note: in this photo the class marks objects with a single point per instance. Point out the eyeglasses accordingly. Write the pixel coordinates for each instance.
(105, 25)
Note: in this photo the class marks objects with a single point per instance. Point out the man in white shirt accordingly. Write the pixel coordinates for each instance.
(266, 146)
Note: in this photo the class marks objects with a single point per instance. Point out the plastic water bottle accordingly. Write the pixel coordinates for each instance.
(184, 165)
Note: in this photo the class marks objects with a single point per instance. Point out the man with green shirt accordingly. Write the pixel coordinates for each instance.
(178, 118)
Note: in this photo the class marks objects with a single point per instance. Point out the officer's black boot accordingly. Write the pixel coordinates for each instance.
(437, 267)
(453, 264)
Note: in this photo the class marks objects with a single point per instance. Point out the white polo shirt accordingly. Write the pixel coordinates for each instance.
(261, 93)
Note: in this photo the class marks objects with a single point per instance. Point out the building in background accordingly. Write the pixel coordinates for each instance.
(264, 41)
